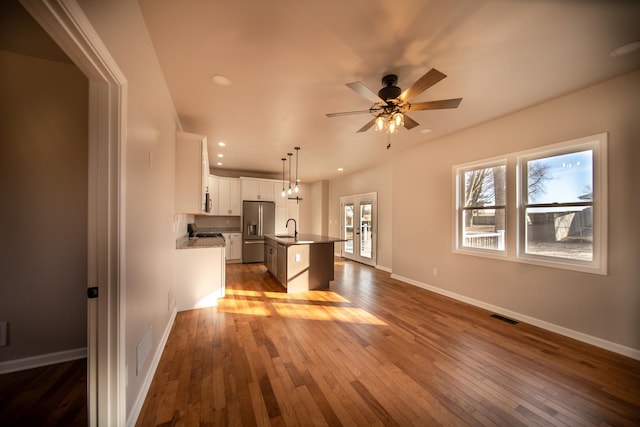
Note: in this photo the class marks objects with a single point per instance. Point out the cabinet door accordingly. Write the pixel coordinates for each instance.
(229, 196)
(223, 196)
(190, 183)
(282, 264)
(213, 195)
(227, 245)
(250, 189)
(266, 190)
(236, 248)
(235, 201)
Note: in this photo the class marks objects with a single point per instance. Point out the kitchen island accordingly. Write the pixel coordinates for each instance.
(300, 263)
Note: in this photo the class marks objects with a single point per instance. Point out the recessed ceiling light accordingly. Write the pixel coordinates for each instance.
(219, 163)
(425, 131)
(340, 169)
(220, 155)
(221, 80)
(221, 144)
(626, 49)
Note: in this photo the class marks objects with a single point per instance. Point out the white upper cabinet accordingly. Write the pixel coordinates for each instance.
(192, 173)
(257, 189)
(213, 195)
(229, 201)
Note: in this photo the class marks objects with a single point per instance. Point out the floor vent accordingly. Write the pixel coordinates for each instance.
(505, 319)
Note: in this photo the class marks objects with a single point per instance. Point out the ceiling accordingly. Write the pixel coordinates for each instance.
(289, 61)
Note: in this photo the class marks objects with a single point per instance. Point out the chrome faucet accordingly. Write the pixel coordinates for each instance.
(295, 227)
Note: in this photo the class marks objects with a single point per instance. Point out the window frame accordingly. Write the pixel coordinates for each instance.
(516, 184)
(459, 196)
(598, 145)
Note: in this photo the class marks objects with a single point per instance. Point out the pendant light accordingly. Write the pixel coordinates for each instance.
(284, 193)
(289, 191)
(297, 189)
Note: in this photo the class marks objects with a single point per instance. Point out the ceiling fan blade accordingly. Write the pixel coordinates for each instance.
(368, 125)
(409, 123)
(435, 105)
(365, 92)
(432, 77)
(346, 113)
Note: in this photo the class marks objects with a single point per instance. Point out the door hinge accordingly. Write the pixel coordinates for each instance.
(92, 292)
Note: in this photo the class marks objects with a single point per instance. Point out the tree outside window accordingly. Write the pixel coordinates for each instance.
(483, 207)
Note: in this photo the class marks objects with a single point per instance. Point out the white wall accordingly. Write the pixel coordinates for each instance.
(43, 187)
(605, 307)
(377, 179)
(149, 188)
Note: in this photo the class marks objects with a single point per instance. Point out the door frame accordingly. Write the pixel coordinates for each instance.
(68, 26)
(356, 200)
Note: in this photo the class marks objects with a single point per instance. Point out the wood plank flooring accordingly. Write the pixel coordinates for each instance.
(375, 351)
(54, 395)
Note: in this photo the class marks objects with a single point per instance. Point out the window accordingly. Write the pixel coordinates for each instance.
(559, 218)
(562, 203)
(481, 207)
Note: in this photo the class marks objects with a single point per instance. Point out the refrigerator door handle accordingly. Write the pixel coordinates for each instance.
(260, 220)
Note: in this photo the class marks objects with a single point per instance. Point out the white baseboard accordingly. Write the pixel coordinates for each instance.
(42, 360)
(589, 339)
(142, 395)
(383, 268)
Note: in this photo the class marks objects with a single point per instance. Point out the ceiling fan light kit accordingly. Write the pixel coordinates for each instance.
(391, 104)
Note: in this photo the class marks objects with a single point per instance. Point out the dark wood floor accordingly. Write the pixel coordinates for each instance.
(375, 351)
(53, 395)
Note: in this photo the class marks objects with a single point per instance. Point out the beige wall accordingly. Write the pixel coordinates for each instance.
(377, 179)
(149, 243)
(605, 307)
(43, 187)
(319, 200)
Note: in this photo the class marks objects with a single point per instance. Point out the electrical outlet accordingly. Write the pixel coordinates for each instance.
(3, 333)
(435, 271)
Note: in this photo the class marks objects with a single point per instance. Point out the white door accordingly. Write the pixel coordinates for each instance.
(358, 227)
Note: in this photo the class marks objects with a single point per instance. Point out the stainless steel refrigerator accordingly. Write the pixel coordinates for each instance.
(258, 219)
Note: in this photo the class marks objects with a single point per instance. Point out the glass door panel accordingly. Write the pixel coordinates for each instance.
(348, 228)
(365, 229)
(358, 228)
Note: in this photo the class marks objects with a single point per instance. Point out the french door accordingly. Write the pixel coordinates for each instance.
(359, 227)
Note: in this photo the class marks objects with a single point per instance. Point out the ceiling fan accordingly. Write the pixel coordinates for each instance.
(391, 103)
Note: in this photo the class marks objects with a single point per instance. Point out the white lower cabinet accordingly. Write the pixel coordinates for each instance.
(233, 246)
(200, 277)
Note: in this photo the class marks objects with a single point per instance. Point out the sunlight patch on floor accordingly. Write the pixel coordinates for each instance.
(328, 313)
(243, 292)
(308, 296)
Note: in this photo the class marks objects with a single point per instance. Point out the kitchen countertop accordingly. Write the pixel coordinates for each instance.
(199, 242)
(302, 239)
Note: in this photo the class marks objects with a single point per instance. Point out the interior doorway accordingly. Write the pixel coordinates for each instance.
(359, 220)
(68, 26)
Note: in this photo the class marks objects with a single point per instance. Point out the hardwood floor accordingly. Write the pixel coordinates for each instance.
(375, 351)
(54, 395)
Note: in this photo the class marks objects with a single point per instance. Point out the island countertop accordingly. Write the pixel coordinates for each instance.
(302, 239)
